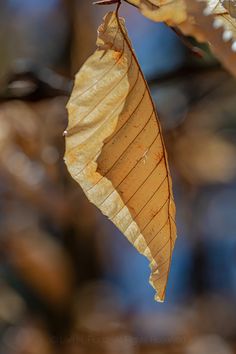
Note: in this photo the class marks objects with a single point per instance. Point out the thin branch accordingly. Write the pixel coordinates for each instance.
(106, 2)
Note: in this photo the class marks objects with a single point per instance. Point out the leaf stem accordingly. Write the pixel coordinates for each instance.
(117, 9)
(110, 2)
(106, 2)
(193, 49)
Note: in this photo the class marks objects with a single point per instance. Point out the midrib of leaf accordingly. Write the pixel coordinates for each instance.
(162, 142)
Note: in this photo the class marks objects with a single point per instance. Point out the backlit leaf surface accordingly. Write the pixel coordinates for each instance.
(115, 149)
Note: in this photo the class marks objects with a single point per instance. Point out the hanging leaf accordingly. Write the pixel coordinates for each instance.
(224, 12)
(212, 21)
(115, 149)
(173, 12)
(218, 28)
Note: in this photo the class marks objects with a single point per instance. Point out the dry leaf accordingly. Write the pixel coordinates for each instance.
(224, 16)
(42, 264)
(173, 12)
(115, 149)
(218, 27)
(212, 21)
(224, 12)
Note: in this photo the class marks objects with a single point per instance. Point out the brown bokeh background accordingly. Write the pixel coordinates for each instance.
(70, 282)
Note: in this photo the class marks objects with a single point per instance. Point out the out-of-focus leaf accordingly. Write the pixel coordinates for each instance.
(172, 12)
(42, 263)
(28, 337)
(202, 150)
(212, 21)
(12, 305)
(29, 155)
(224, 12)
(115, 149)
(218, 27)
(169, 11)
(175, 12)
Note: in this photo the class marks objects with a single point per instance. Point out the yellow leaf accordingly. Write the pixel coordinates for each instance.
(212, 21)
(134, 2)
(169, 11)
(115, 149)
(175, 13)
(224, 12)
(218, 27)
(172, 12)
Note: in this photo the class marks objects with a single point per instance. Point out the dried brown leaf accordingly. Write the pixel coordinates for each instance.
(212, 21)
(175, 13)
(218, 27)
(172, 12)
(115, 149)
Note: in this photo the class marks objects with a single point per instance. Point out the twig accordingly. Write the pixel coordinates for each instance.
(110, 2)
(193, 49)
(106, 2)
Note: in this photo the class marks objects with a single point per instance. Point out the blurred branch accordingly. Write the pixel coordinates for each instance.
(32, 82)
(28, 81)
